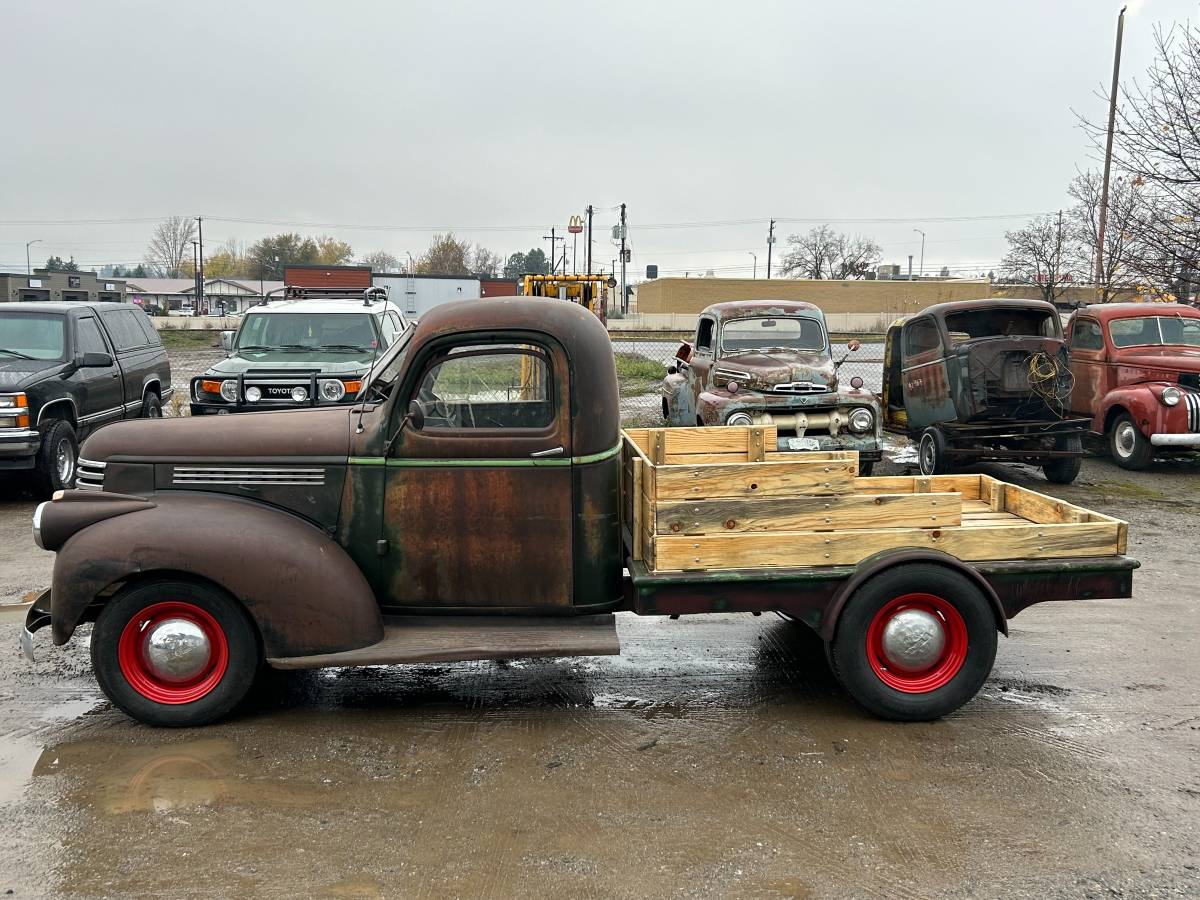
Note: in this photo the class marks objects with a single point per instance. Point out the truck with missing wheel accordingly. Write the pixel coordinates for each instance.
(482, 502)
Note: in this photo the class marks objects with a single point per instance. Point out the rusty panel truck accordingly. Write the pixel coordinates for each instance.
(482, 502)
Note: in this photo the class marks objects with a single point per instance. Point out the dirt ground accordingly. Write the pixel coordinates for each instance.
(715, 758)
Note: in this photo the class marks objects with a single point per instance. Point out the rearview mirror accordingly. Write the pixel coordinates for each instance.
(416, 414)
(226, 340)
(95, 361)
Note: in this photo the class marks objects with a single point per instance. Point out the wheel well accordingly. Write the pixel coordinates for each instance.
(62, 408)
(153, 387)
(1111, 416)
(139, 579)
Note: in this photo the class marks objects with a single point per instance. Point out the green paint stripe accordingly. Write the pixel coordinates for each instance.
(481, 463)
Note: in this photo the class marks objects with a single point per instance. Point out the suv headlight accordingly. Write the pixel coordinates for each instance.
(862, 420)
(229, 390)
(332, 389)
(14, 411)
(1170, 396)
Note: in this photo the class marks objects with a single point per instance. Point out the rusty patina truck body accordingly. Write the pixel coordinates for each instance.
(482, 503)
(976, 380)
(769, 362)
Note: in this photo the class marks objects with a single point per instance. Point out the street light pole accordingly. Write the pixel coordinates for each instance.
(921, 269)
(755, 255)
(28, 270)
(1112, 118)
(770, 243)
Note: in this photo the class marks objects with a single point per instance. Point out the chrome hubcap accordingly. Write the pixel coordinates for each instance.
(64, 460)
(176, 650)
(913, 640)
(1126, 439)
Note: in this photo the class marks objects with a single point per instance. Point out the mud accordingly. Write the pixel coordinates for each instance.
(717, 757)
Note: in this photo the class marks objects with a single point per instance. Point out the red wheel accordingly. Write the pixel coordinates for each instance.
(916, 643)
(173, 652)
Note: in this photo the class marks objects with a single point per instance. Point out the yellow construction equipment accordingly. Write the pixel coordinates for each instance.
(589, 291)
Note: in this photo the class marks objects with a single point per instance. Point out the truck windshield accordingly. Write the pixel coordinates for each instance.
(740, 335)
(1160, 330)
(333, 332)
(30, 335)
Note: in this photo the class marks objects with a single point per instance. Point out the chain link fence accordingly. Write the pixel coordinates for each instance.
(641, 367)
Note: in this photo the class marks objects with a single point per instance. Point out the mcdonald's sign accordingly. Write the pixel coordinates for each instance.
(575, 225)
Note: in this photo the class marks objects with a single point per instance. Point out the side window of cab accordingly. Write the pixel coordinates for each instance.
(1086, 335)
(921, 338)
(704, 335)
(488, 387)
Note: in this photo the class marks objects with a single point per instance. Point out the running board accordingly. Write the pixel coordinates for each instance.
(425, 639)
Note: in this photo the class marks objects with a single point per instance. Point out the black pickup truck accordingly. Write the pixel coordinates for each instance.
(65, 370)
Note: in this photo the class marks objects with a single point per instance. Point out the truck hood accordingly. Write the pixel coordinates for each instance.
(328, 362)
(783, 367)
(17, 374)
(301, 433)
(1181, 359)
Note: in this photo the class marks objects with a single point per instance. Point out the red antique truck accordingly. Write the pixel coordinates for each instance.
(483, 503)
(1136, 368)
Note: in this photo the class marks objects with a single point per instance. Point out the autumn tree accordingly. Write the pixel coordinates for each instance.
(171, 246)
(446, 256)
(485, 263)
(381, 261)
(275, 252)
(825, 253)
(332, 252)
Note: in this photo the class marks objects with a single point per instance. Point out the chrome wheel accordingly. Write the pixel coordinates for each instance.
(64, 461)
(176, 650)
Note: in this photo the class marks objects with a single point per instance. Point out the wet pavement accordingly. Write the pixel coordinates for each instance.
(717, 757)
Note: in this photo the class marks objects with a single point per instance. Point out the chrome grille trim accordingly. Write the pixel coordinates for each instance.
(801, 387)
(247, 475)
(1192, 399)
(90, 475)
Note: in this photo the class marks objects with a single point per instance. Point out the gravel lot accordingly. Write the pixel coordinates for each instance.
(715, 758)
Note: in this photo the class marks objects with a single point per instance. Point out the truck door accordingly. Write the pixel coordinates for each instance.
(477, 501)
(927, 397)
(1085, 340)
(101, 396)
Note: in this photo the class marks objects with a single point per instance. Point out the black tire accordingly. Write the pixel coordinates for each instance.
(1127, 445)
(852, 659)
(866, 467)
(1064, 469)
(151, 406)
(57, 459)
(931, 452)
(229, 683)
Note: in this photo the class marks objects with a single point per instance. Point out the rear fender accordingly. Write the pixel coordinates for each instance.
(300, 587)
(879, 562)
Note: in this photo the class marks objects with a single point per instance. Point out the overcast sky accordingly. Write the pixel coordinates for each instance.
(501, 119)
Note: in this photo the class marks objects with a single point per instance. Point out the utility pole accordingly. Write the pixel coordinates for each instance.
(28, 270)
(196, 277)
(589, 240)
(200, 266)
(553, 239)
(910, 267)
(1112, 118)
(770, 242)
(755, 255)
(921, 270)
(1058, 254)
(624, 295)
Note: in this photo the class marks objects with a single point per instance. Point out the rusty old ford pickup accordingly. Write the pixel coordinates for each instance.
(482, 502)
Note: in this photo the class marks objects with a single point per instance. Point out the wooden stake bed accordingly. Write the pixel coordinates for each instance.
(716, 498)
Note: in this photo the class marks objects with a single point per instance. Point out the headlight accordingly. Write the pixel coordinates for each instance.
(740, 418)
(332, 389)
(37, 523)
(229, 390)
(1170, 396)
(862, 420)
(13, 401)
(299, 394)
(253, 394)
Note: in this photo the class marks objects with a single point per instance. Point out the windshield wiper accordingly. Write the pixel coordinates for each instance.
(16, 353)
(254, 347)
(353, 347)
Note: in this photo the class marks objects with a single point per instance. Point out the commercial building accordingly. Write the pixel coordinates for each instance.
(43, 285)
(417, 294)
(178, 295)
(331, 277)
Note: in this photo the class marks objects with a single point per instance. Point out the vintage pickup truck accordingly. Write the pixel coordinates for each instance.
(483, 503)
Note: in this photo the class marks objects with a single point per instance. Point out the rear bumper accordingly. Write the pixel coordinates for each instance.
(18, 447)
(1175, 440)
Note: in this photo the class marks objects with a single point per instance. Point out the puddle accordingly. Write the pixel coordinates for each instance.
(17, 759)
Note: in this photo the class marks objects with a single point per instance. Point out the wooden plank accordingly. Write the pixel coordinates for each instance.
(417, 639)
(805, 548)
(635, 504)
(967, 485)
(637, 436)
(656, 446)
(1040, 508)
(712, 439)
(765, 479)
(808, 513)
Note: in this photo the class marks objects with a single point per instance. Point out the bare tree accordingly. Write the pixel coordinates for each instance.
(485, 262)
(1125, 252)
(171, 246)
(1157, 146)
(381, 261)
(825, 253)
(1045, 254)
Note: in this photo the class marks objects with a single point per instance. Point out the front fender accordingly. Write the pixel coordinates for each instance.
(300, 587)
(1142, 404)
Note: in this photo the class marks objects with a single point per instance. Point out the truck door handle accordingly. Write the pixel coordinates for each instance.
(553, 451)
